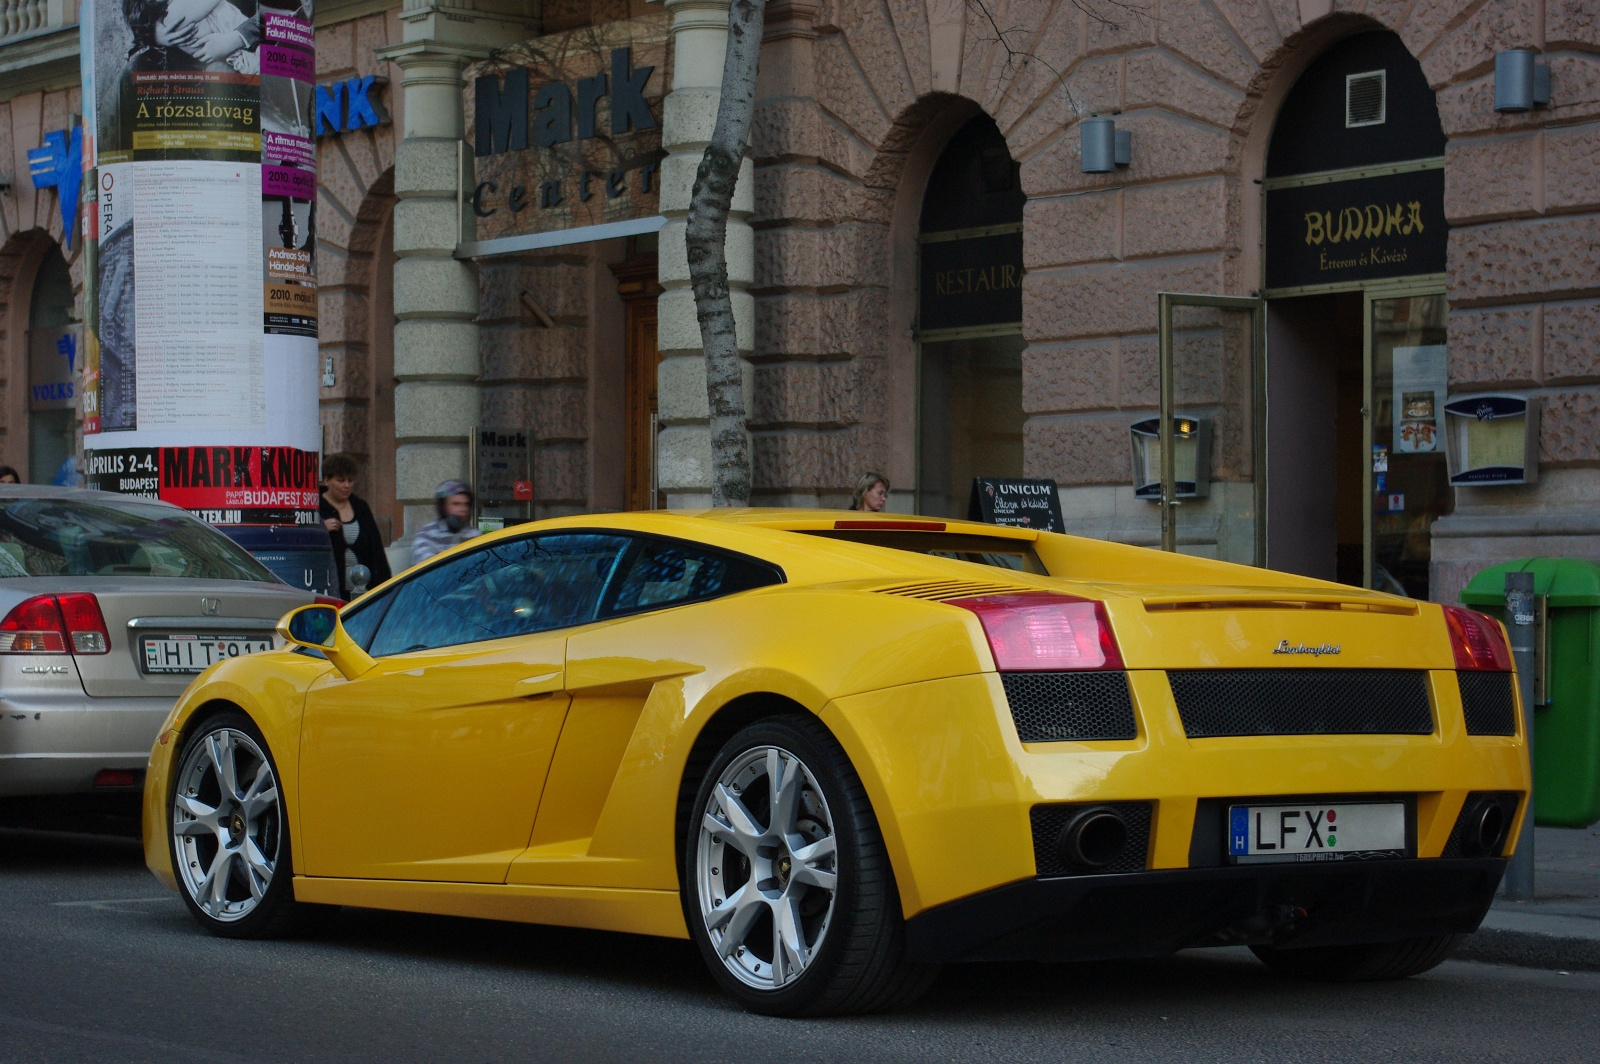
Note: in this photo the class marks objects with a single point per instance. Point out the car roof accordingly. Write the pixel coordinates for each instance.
(91, 495)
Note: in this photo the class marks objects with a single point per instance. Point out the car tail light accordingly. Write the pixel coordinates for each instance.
(34, 627)
(115, 777)
(1045, 632)
(1476, 640)
(55, 624)
(324, 600)
(86, 626)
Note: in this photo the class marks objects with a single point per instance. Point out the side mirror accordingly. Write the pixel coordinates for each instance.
(310, 626)
(317, 627)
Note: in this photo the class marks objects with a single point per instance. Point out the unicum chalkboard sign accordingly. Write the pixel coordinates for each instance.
(1016, 502)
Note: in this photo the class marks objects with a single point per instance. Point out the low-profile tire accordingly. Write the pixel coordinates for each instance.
(787, 888)
(1360, 964)
(229, 837)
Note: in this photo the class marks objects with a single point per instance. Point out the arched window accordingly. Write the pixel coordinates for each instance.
(969, 320)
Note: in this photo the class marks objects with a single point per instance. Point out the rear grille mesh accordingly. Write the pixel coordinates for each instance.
(1223, 702)
(1487, 704)
(1067, 706)
(1048, 820)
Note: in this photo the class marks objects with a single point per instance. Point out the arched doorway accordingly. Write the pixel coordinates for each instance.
(52, 371)
(1355, 258)
(969, 320)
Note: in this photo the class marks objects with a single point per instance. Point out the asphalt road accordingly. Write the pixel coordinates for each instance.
(98, 962)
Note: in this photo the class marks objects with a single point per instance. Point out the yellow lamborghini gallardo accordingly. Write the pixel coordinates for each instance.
(837, 750)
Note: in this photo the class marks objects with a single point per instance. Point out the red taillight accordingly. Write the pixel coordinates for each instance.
(1477, 641)
(1045, 632)
(34, 627)
(86, 626)
(55, 624)
(115, 777)
(324, 600)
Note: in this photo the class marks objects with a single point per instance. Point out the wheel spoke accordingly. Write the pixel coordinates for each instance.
(212, 893)
(738, 819)
(260, 803)
(258, 870)
(220, 746)
(788, 940)
(785, 778)
(806, 860)
(195, 828)
(743, 909)
(196, 808)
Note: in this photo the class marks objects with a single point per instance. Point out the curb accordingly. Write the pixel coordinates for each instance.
(1529, 949)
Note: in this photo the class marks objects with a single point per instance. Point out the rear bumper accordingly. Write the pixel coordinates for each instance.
(1152, 914)
(54, 743)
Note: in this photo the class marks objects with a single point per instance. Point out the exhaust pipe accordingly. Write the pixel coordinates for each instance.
(1093, 838)
(1484, 825)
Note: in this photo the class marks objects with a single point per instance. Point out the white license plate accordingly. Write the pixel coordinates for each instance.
(1316, 832)
(196, 653)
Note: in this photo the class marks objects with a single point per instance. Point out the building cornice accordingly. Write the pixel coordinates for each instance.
(44, 62)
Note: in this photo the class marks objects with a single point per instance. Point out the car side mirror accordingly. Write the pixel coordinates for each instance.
(317, 627)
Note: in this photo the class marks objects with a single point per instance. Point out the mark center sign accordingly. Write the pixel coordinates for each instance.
(567, 129)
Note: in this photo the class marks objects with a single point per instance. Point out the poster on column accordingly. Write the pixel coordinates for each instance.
(201, 345)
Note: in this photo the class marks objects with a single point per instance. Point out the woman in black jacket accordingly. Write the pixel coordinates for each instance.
(351, 527)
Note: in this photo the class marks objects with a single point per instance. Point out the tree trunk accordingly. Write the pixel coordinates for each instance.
(705, 236)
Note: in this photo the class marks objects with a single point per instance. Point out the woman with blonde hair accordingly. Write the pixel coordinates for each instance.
(872, 492)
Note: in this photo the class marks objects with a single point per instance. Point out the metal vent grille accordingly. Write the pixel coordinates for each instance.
(1048, 820)
(1487, 704)
(1219, 702)
(940, 590)
(1067, 706)
(1365, 99)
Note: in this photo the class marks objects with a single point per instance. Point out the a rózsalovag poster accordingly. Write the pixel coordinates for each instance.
(202, 327)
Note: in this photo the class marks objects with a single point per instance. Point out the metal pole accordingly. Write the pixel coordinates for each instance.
(1520, 628)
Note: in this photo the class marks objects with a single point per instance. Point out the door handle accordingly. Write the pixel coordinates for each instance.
(543, 684)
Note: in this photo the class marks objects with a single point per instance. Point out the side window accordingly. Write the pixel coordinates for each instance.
(660, 573)
(362, 622)
(513, 587)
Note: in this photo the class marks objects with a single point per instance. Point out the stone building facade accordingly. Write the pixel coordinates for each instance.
(890, 136)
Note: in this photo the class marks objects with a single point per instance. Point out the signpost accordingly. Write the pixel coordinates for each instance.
(1016, 502)
(502, 477)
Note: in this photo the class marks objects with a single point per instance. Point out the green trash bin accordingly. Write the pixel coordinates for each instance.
(1566, 738)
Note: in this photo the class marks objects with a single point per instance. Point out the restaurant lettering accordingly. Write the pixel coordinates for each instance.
(1357, 229)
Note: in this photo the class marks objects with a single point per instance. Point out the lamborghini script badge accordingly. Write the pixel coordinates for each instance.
(1286, 648)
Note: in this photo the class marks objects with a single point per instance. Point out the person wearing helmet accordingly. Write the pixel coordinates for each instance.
(453, 501)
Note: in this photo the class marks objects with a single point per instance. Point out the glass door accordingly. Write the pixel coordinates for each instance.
(1212, 446)
(1408, 487)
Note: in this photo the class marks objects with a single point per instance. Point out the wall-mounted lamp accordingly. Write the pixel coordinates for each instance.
(1103, 147)
(1521, 82)
(1191, 454)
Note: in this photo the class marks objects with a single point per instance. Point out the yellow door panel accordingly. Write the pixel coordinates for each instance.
(430, 766)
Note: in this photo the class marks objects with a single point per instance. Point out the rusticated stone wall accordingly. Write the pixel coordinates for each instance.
(856, 96)
(355, 207)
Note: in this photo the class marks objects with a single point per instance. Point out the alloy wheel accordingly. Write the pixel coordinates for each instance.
(768, 868)
(226, 824)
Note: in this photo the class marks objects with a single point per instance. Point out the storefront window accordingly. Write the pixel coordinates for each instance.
(1410, 486)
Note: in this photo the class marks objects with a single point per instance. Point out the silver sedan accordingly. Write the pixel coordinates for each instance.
(109, 606)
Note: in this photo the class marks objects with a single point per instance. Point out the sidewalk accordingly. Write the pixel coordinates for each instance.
(1560, 928)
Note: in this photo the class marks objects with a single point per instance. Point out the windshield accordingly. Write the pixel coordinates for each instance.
(72, 537)
(996, 551)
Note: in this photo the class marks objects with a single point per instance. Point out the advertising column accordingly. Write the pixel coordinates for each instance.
(201, 338)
